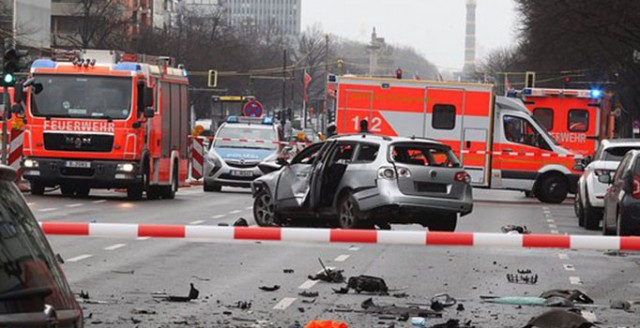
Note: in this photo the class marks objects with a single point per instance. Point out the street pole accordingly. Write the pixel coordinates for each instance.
(326, 78)
(284, 79)
(5, 133)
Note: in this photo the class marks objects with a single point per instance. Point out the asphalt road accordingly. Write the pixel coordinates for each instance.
(121, 276)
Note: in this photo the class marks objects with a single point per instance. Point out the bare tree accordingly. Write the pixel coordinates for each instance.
(100, 24)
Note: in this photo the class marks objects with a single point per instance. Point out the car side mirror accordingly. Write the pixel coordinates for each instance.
(587, 160)
(149, 112)
(605, 178)
(282, 162)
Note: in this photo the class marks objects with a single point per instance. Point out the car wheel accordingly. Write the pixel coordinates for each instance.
(553, 189)
(576, 205)
(529, 194)
(37, 188)
(591, 216)
(349, 215)
(208, 187)
(263, 209)
(622, 227)
(444, 222)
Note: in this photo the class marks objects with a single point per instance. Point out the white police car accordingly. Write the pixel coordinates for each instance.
(240, 144)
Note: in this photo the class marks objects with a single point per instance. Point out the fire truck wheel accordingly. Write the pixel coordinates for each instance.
(446, 222)
(169, 192)
(37, 188)
(552, 189)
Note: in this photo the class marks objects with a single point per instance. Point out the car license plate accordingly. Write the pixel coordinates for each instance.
(78, 164)
(237, 173)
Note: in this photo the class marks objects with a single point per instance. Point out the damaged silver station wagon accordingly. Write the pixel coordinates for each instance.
(358, 181)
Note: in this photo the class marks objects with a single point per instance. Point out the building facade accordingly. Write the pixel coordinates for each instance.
(284, 15)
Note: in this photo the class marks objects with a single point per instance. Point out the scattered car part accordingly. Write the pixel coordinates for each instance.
(453, 323)
(328, 275)
(307, 293)
(573, 295)
(510, 228)
(522, 279)
(369, 284)
(620, 305)
(369, 306)
(269, 288)
(559, 319)
(193, 294)
(514, 300)
(288, 271)
(444, 299)
(558, 301)
(241, 222)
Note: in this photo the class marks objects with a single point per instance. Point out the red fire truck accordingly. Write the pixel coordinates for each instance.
(105, 119)
(497, 139)
(576, 118)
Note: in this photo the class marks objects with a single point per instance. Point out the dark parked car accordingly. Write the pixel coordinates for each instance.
(363, 180)
(33, 290)
(622, 200)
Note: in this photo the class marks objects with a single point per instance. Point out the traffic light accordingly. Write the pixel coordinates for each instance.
(12, 63)
(399, 73)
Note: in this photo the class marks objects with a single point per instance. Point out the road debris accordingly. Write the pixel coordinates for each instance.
(524, 271)
(418, 321)
(269, 288)
(558, 301)
(243, 305)
(307, 293)
(123, 271)
(460, 307)
(241, 222)
(288, 271)
(573, 295)
(326, 324)
(193, 294)
(620, 305)
(525, 279)
(328, 275)
(510, 228)
(143, 311)
(309, 301)
(411, 311)
(441, 301)
(514, 300)
(559, 319)
(84, 295)
(400, 295)
(453, 323)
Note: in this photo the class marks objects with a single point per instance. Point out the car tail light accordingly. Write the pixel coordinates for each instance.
(636, 187)
(388, 173)
(462, 177)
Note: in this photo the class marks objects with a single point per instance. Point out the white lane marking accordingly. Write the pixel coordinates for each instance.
(285, 303)
(196, 222)
(248, 208)
(575, 280)
(143, 238)
(569, 267)
(235, 212)
(553, 226)
(114, 247)
(555, 232)
(99, 201)
(75, 205)
(308, 284)
(342, 258)
(48, 209)
(79, 258)
(218, 216)
(354, 248)
(563, 256)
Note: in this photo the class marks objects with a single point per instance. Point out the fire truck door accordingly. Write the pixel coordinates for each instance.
(357, 106)
(475, 155)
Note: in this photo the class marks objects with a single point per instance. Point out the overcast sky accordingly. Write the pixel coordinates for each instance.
(434, 27)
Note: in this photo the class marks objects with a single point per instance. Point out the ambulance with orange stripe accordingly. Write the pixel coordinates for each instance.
(105, 119)
(499, 142)
(577, 118)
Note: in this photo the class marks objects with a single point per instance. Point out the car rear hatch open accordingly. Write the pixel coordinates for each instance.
(425, 169)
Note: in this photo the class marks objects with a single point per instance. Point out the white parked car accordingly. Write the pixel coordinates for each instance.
(589, 201)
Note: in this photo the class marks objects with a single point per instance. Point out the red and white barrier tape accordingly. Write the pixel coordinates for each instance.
(525, 154)
(259, 141)
(418, 238)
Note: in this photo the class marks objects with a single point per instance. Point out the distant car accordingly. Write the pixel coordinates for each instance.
(239, 146)
(622, 200)
(359, 181)
(589, 198)
(33, 289)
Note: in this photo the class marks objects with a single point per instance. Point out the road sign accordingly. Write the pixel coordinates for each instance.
(636, 126)
(253, 108)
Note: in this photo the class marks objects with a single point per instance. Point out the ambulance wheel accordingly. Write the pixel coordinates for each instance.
(37, 188)
(552, 189)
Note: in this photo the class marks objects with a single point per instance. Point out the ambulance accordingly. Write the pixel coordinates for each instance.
(577, 119)
(106, 119)
(499, 142)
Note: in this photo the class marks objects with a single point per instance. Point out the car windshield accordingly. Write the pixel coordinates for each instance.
(615, 154)
(544, 131)
(29, 275)
(243, 136)
(86, 96)
(424, 155)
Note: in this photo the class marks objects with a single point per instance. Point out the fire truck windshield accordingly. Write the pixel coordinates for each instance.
(92, 97)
